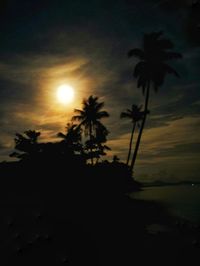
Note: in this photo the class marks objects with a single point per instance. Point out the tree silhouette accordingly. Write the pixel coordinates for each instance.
(115, 159)
(89, 118)
(101, 138)
(135, 115)
(26, 144)
(151, 70)
(72, 138)
(97, 143)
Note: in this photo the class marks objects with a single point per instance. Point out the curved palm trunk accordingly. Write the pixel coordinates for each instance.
(130, 145)
(141, 129)
(92, 162)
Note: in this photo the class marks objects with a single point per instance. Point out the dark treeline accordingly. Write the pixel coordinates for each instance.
(78, 153)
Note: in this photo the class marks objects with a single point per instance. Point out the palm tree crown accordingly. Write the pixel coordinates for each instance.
(72, 137)
(90, 115)
(134, 114)
(153, 65)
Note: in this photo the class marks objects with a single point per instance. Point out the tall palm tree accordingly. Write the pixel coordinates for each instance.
(151, 70)
(135, 115)
(90, 117)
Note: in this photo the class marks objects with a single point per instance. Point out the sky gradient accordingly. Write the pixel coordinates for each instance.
(85, 43)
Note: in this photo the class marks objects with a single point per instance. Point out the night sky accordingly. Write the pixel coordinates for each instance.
(44, 44)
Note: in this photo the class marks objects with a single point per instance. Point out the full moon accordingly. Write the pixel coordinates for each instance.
(65, 94)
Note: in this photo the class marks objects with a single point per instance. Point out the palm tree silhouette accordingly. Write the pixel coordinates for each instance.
(26, 144)
(89, 118)
(97, 143)
(100, 140)
(72, 138)
(115, 159)
(135, 115)
(151, 70)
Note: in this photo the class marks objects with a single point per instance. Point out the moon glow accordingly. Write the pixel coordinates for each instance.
(65, 94)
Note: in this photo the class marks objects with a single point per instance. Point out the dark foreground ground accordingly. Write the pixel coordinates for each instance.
(66, 217)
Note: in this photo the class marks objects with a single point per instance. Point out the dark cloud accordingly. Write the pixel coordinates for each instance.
(191, 22)
(173, 4)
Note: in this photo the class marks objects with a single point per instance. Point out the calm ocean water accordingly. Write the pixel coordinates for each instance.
(182, 200)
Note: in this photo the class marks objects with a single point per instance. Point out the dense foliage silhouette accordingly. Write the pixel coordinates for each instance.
(72, 138)
(26, 144)
(90, 120)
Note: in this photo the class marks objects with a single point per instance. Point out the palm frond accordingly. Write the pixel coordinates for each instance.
(142, 83)
(61, 135)
(171, 70)
(92, 100)
(172, 55)
(125, 115)
(81, 112)
(137, 53)
(107, 148)
(102, 114)
(99, 106)
(139, 69)
(77, 118)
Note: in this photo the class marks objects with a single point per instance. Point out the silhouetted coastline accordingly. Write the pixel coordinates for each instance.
(160, 183)
(62, 203)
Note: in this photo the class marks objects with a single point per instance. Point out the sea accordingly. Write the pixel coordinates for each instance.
(181, 200)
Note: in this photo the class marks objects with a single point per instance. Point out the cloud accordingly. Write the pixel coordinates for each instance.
(3, 146)
(191, 21)
(173, 147)
(181, 131)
